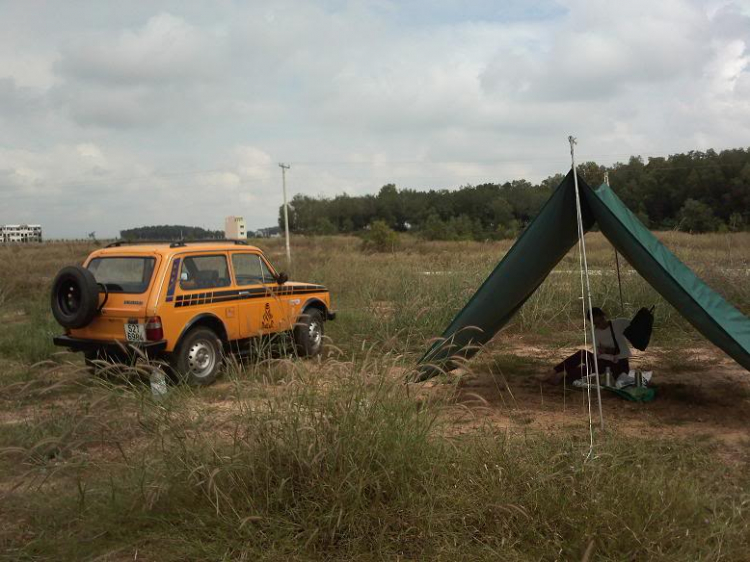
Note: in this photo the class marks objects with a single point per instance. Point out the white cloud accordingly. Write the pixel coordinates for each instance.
(163, 112)
(165, 49)
(252, 163)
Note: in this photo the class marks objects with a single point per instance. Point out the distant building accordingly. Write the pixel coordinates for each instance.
(234, 228)
(271, 232)
(21, 233)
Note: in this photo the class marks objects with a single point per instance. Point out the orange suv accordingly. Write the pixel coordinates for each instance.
(188, 303)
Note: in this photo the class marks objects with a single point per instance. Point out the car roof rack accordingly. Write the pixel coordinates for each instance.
(176, 243)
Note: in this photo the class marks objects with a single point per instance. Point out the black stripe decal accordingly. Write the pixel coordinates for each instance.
(196, 299)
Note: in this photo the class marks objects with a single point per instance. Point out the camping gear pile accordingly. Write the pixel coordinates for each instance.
(634, 385)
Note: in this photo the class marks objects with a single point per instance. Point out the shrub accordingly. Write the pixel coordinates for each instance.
(380, 238)
(509, 231)
(736, 222)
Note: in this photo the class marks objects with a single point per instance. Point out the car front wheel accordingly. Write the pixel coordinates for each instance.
(309, 332)
(198, 357)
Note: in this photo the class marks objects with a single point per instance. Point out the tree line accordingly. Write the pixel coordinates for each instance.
(694, 192)
(170, 232)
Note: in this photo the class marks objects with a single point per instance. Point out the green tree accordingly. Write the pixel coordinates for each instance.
(592, 172)
(347, 225)
(643, 217)
(325, 227)
(502, 212)
(736, 223)
(435, 228)
(696, 216)
(170, 232)
(389, 206)
(658, 190)
(463, 227)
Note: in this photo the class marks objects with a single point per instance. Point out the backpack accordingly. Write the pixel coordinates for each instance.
(640, 328)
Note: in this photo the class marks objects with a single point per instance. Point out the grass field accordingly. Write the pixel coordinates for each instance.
(338, 459)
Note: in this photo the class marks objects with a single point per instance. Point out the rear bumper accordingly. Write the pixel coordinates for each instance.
(150, 348)
(330, 315)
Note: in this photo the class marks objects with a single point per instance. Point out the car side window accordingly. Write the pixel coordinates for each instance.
(204, 272)
(248, 269)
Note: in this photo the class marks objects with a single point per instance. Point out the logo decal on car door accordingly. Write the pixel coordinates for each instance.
(267, 322)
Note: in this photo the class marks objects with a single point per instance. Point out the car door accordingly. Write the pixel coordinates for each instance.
(205, 287)
(282, 302)
(259, 310)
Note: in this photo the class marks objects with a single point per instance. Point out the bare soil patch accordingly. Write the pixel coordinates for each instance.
(706, 396)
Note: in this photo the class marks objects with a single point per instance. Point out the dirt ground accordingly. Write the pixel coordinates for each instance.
(709, 401)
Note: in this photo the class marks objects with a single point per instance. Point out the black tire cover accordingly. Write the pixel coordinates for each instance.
(75, 297)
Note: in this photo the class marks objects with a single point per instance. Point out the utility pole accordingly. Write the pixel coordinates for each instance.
(284, 168)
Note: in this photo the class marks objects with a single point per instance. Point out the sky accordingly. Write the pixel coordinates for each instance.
(115, 114)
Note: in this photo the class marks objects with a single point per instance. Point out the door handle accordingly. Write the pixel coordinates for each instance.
(243, 293)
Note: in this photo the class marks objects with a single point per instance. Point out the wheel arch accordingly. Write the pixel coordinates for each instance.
(208, 320)
(314, 303)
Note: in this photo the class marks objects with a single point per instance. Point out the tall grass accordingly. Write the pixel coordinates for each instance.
(335, 458)
(352, 468)
(405, 298)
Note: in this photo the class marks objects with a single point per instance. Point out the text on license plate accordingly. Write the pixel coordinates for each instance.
(135, 332)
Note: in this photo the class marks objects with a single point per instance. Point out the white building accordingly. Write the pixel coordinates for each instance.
(234, 228)
(21, 233)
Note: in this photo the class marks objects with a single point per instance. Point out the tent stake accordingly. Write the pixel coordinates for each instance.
(581, 234)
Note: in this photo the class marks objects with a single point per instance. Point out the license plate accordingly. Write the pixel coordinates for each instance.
(135, 332)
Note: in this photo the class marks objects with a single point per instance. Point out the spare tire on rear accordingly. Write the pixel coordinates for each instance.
(75, 297)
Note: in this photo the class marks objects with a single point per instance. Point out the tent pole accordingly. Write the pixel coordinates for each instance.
(619, 283)
(581, 234)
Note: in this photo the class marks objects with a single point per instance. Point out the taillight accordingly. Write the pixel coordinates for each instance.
(154, 331)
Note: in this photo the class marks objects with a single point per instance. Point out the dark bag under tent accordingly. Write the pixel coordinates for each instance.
(641, 326)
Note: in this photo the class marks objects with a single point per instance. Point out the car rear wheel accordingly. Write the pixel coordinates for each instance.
(198, 357)
(309, 332)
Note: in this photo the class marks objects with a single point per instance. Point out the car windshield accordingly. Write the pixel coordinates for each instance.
(129, 274)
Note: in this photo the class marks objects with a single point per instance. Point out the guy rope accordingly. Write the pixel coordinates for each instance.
(586, 298)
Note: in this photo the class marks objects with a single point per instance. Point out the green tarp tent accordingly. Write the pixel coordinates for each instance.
(543, 244)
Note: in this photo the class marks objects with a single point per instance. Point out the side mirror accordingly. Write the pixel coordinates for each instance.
(282, 278)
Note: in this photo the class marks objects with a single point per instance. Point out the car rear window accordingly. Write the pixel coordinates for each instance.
(129, 274)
